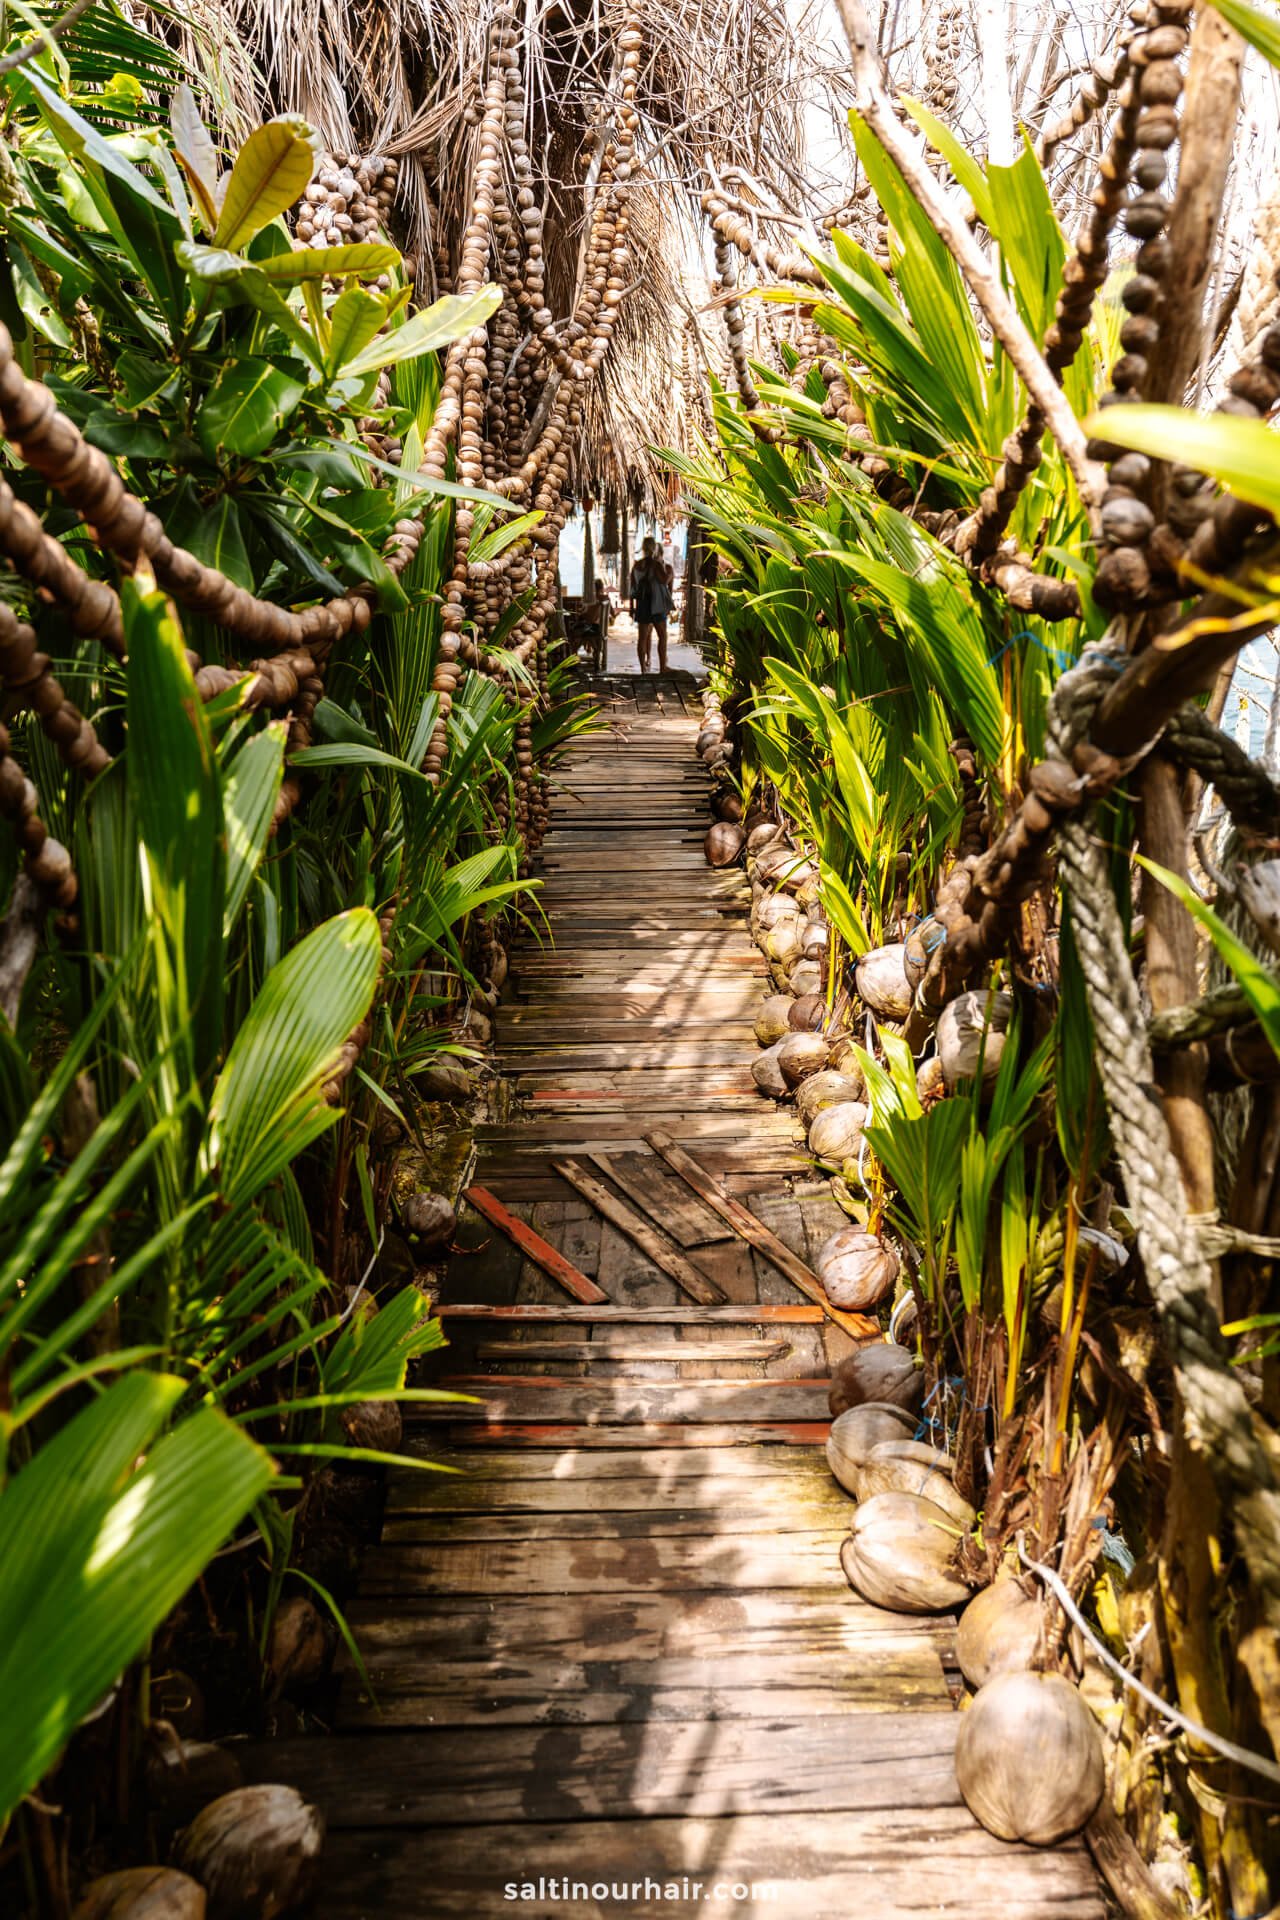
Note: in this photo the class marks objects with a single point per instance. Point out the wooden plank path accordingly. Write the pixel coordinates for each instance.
(613, 1656)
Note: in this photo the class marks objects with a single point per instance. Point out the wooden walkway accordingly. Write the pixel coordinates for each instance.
(614, 1654)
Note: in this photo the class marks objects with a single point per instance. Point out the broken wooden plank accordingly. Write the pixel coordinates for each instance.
(861, 1326)
(685, 1217)
(535, 1248)
(647, 1237)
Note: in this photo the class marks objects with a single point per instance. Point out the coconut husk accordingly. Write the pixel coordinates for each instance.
(444, 1079)
(901, 1466)
(825, 1089)
(880, 1371)
(772, 910)
(801, 1054)
(432, 1218)
(727, 806)
(900, 1554)
(857, 1269)
(970, 1036)
(805, 977)
(299, 1648)
(723, 843)
(766, 834)
(782, 944)
(773, 1020)
(856, 1432)
(882, 982)
(836, 1133)
(1029, 1758)
(1000, 1632)
(808, 1012)
(143, 1893)
(767, 1074)
(376, 1424)
(255, 1851)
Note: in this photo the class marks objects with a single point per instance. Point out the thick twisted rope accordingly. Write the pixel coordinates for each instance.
(1219, 1423)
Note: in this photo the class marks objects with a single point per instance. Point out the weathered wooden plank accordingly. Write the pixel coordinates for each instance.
(534, 1247)
(655, 1245)
(728, 1315)
(550, 1401)
(875, 1864)
(675, 1465)
(682, 1214)
(607, 1562)
(474, 1775)
(809, 1507)
(641, 1435)
(708, 1493)
(615, 1350)
(744, 1222)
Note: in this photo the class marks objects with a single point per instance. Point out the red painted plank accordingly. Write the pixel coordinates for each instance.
(535, 1248)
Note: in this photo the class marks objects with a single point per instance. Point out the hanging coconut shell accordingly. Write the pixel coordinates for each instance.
(857, 1269)
(727, 806)
(880, 1371)
(143, 1893)
(767, 1074)
(298, 1652)
(919, 947)
(723, 843)
(765, 835)
(808, 1012)
(255, 1852)
(971, 1034)
(805, 977)
(999, 1633)
(835, 1136)
(801, 1054)
(432, 1218)
(903, 1466)
(825, 1089)
(1029, 1759)
(882, 982)
(856, 1432)
(773, 1020)
(900, 1554)
(180, 1778)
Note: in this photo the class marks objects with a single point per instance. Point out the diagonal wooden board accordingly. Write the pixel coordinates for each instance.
(535, 1248)
(861, 1326)
(659, 1249)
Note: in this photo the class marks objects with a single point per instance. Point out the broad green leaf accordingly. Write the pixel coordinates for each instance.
(194, 146)
(210, 529)
(272, 169)
(269, 1099)
(1030, 238)
(967, 170)
(354, 320)
(371, 257)
(83, 142)
(245, 277)
(1257, 25)
(246, 407)
(173, 783)
(249, 791)
(1241, 454)
(97, 1545)
(445, 320)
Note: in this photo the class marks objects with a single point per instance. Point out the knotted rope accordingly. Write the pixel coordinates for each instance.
(1219, 1422)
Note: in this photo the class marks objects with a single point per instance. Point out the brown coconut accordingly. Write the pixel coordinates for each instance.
(801, 1054)
(377, 1424)
(1029, 1758)
(774, 862)
(971, 1034)
(805, 977)
(782, 942)
(773, 909)
(765, 835)
(999, 1633)
(900, 1554)
(844, 1058)
(444, 1079)
(882, 982)
(773, 1021)
(825, 1089)
(903, 1466)
(880, 1371)
(298, 1652)
(767, 1074)
(255, 1852)
(711, 735)
(836, 1136)
(857, 1269)
(855, 1433)
(143, 1893)
(432, 1218)
(723, 843)
(808, 1012)
(727, 806)
(815, 938)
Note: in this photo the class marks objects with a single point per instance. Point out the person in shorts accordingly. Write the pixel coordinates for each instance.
(651, 602)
